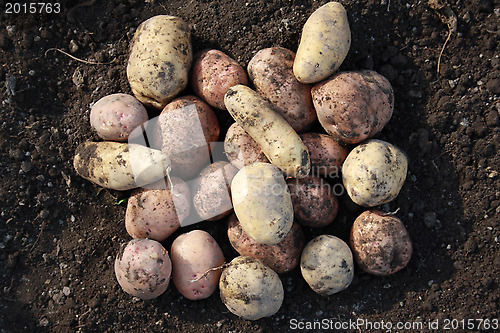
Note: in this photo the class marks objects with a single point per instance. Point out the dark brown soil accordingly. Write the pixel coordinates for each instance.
(59, 237)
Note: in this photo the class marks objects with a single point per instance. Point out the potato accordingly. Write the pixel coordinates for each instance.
(354, 106)
(213, 74)
(184, 131)
(324, 43)
(327, 155)
(157, 212)
(143, 268)
(120, 166)
(313, 200)
(211, 197)
(250, 289)
(282, 257)
(327, 265)
(241, 149)
(115, 116)
(374, 172)
(262, 203)
(279, 142)
(193, 254)
(160, 59)
(380, 243)
(271, 71)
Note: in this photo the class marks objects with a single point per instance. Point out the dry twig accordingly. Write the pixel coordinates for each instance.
(447, 16)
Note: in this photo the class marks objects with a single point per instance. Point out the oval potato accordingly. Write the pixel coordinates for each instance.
(241, 149)
(327, 155)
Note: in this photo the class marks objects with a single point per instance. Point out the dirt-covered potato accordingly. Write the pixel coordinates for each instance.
(157, 211)
(211, 192)
(160, 59)
(278, 140)
(374, 172)
(353, 106)
(213, 74)
(282, 257)
(271, 71)
(143, 268)
(324, 43)
(327, 265)
(250, 289)
(241, 149)
(115, 116)
(120, 166)
(262, 203)
(184, 131)
(314, 202)
(327, 155)
(193, 254)
(380, 243)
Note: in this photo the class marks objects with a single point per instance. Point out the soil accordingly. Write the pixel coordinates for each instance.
(59, 235)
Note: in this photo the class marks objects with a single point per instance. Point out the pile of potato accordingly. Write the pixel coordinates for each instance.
(273, 183)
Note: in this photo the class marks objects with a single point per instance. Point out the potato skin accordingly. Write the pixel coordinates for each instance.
(160, 59)
(271, 71)
(115, 116)
(327, 265)
(143, 268)
(262, 203)
(324, 43)
(327, 155)
(380, 243)
(250, 289)
(314, 204)
(282, 257)
(374, 172)
(354, 106)
(185, 128)
(211, 192)
(213, 74)
(194, 253)
(279, 142)
(241, 149)
(155, 212)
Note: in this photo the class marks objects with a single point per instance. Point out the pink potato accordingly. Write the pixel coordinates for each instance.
(213, 74)
(155, 212)
(313, 200)
(193, 254)
(143, 268)
(282, 257)
(115, 116)
(271, 71)
(327, 155)
(353, 106)
(241, 149)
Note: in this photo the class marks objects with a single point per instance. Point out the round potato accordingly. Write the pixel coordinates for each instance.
(115, 116)
(250, 289)
(271, 71)
(241, 149)
(374, 172)
(157, 211)
(327, 155)
(262, 203)
(327, 265)
(160, 59)
(193, 254)
(143, 268)
(282, 257)
(353, 106)
(213, 74)
(380, 243)
(212, 199)
(184, 131)
(314, 204)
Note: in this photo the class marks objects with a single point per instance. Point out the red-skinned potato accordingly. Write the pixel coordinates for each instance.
(327, 155)
(241, 149)
(380, 243)
(213, 74)
(353, 106)
(282, 257)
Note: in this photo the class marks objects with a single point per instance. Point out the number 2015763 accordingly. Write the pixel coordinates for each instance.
(32, 8)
